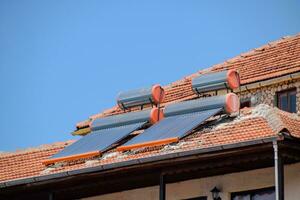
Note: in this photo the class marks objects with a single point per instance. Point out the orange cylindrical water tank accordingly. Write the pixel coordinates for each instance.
(158, 94)
(232, 103)
(233, 79)
(156, 114)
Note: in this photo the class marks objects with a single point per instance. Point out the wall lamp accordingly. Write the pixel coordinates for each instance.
(215, 193)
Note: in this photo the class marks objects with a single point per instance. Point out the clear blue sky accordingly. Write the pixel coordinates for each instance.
(61, 61)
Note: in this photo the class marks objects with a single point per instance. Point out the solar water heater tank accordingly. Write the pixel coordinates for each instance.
(139, 97)
(151, 115)
(229, 103)
(228, 79)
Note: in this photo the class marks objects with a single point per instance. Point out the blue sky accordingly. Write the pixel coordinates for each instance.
(61, 61)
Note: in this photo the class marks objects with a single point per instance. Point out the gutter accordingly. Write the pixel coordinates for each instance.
(157, 158)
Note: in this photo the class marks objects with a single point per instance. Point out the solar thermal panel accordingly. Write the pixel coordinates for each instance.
(100, 140)
(172, 127)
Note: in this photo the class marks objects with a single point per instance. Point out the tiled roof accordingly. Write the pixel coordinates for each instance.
(289, 123)
(27, 162)
(275, 59)
(255, 123)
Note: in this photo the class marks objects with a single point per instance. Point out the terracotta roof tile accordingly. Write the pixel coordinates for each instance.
(291, 122)
(28, 162)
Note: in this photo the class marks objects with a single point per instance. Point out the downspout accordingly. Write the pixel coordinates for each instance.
(275, 147)
(279, 171)
(162, 187)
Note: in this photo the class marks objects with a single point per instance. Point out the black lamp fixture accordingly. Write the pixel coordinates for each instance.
(215, 193)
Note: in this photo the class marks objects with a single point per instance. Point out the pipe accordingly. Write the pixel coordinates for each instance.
(162, 187)
(279, 173)
(275, 147)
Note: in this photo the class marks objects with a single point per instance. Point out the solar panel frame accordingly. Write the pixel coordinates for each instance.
(171, 127)
(98, 140)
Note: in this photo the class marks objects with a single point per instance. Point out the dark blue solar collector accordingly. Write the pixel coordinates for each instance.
(106, 133)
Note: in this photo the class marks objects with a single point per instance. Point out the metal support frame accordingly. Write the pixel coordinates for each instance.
(162, 187)
(279, 173)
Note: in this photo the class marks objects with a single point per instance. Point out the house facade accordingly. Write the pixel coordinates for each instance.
(250, 156)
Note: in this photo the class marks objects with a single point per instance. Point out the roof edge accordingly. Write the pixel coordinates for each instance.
(31, 180)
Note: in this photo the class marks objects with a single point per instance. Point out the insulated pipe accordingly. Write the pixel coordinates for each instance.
(151, 115)
(229, 102)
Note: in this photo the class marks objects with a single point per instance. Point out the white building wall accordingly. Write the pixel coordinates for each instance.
(228, 183)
